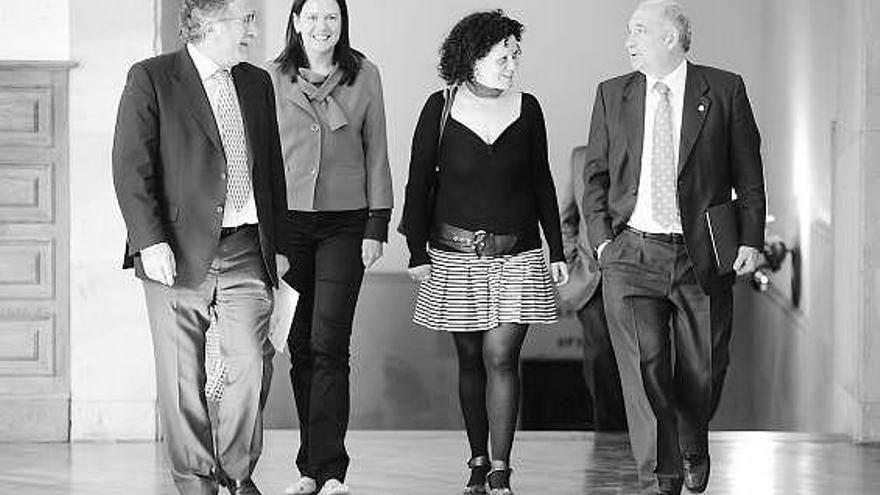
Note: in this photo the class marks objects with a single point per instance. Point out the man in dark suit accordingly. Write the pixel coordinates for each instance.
(667, 142)
(583, 296)
(200, 181)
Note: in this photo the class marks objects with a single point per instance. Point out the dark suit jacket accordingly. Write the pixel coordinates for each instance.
(169, 166)
(583, 270)
(719, 151)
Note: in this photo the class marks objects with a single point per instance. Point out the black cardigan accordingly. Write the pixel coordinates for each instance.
(505, 187)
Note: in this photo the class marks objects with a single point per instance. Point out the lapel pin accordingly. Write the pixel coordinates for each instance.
(703, 105)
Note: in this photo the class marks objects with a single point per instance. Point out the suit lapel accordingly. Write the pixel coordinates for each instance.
(196, 99)
(633, 114)
(693, 113)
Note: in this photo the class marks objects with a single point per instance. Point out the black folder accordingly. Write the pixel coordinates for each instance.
(723, 223)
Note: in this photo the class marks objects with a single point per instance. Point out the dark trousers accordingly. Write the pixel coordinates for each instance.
(600, 367)
(326, 268)
(671, 342)
(237, 296)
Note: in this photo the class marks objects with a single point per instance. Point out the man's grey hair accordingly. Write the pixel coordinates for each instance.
(674, 12)
(194, 17)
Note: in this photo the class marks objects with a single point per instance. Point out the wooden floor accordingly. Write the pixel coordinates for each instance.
(432, 462)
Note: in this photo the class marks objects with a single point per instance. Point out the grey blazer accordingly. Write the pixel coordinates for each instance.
(584, 277)
(335, 169)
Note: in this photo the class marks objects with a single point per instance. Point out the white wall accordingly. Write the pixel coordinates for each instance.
(113, 389)
(813, 365)
(867, 387)
(112, 384)
(34, 30)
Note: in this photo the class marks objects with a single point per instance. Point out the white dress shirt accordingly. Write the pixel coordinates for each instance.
(207, 68)
(641, 218)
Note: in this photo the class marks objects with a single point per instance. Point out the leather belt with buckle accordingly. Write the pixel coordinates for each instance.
(479, 242)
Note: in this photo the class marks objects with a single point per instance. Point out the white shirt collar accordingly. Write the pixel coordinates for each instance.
(204, 65)
(675, 80)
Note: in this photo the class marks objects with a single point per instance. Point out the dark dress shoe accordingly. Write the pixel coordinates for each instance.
(696, 472)
(669, 485)
(243, 487)
(220, 477)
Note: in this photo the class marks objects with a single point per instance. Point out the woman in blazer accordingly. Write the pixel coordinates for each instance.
(331, 120)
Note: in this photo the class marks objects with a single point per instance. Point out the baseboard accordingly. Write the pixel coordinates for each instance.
(844, 412)
(29, 419)
(113, 420)
(868, 429)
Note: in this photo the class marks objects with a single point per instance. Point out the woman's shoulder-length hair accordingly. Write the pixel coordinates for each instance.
(293, 56)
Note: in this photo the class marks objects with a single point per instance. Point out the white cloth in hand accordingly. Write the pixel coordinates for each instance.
(282, 314)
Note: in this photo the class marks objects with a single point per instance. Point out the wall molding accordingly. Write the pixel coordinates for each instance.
(34, 419)
(868, 431)
(97, 420)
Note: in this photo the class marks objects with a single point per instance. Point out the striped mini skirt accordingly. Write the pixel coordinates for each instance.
(469, 294)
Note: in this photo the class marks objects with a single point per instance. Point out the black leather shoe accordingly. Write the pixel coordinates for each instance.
(669, 485)
(243, 487)
(696, 472)
(220, 477)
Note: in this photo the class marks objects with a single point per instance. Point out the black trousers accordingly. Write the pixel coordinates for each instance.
(600, 367)
(671, 343)
(326, 269)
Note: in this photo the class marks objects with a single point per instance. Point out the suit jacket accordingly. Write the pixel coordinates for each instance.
(583, 270)
(719, 151)
(169, 166)
(359, 175)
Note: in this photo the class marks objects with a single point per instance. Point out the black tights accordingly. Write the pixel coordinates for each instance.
(489, 361)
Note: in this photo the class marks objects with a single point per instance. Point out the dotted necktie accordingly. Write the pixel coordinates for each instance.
(238, 184)
(663, 167)
(215, 368)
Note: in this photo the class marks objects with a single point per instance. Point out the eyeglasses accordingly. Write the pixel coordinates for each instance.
(247, 19)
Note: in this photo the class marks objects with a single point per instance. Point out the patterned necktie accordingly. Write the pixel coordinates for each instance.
(215, 368)
(663, 168)
(231, 126)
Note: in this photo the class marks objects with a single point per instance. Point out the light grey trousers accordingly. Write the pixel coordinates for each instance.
(237, 296)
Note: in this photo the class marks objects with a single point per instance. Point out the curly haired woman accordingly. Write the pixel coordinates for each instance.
(474, 243)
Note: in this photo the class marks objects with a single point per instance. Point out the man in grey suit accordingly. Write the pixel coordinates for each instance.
(583, 296)
(200, 181)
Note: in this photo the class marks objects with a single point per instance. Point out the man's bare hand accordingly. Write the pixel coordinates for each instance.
(282, 265)
(159, 263)
(559, 272)
(746, 260)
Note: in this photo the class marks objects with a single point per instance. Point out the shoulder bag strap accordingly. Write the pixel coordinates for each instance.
(448, 98)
